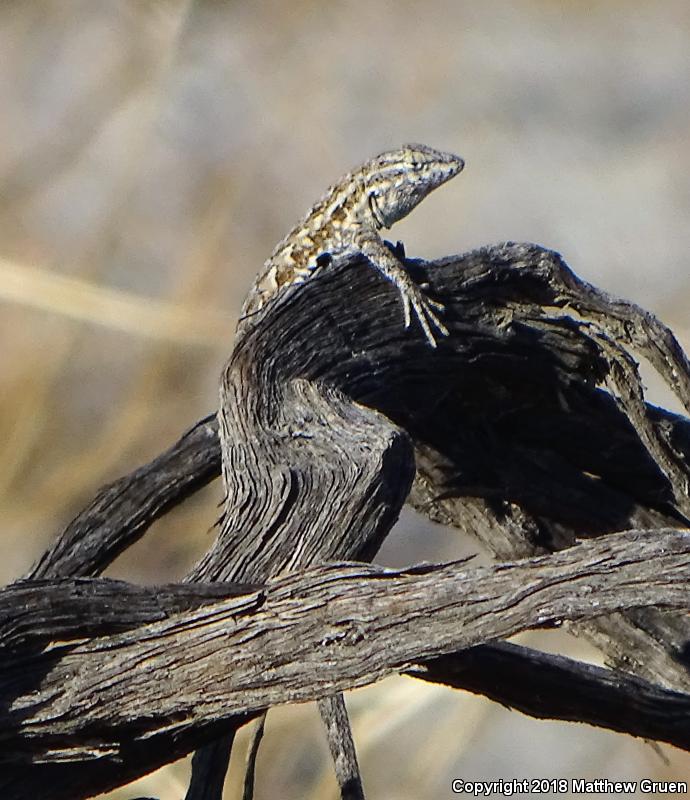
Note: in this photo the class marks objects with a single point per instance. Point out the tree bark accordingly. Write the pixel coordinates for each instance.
(529, 431)
(89, 709)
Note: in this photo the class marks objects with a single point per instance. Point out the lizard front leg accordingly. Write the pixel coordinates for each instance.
(369, 244)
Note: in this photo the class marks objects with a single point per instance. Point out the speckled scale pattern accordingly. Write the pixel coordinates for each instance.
(348, 218)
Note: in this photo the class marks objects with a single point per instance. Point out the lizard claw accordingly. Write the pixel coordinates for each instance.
(424, 309)
(435, 304)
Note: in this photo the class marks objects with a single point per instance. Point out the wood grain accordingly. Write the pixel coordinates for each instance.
(529, 431)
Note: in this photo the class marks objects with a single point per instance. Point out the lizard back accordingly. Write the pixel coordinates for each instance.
(373, 196)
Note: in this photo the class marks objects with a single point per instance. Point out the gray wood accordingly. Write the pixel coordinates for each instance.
(309, 477)
(529, 431)
(111, 703)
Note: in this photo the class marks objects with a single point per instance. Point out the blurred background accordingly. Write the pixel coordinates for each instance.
(152, 152)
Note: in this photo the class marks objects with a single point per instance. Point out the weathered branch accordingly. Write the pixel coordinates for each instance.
(162, 686)
(516, 440)
(567, 690)
(122, 512)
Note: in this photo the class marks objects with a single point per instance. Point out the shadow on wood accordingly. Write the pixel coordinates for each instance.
(529, 429)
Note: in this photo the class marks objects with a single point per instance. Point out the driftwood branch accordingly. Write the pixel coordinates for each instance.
(161, 686)
(122, 512)
(568, 690)
(529, 431)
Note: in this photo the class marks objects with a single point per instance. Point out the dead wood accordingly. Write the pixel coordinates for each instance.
(529, 430)
(107, 703)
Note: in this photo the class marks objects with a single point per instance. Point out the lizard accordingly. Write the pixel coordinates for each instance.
(348, 218)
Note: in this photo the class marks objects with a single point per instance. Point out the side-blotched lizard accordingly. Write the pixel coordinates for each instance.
(348, 218)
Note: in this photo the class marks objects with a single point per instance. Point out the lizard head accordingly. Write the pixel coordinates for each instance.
(398, 180)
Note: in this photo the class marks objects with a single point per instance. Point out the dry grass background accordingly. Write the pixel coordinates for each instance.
(151, 154)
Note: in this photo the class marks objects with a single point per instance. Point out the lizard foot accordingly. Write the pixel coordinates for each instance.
(425, 311)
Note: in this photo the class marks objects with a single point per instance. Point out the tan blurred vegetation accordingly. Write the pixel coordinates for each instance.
(151, 154)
